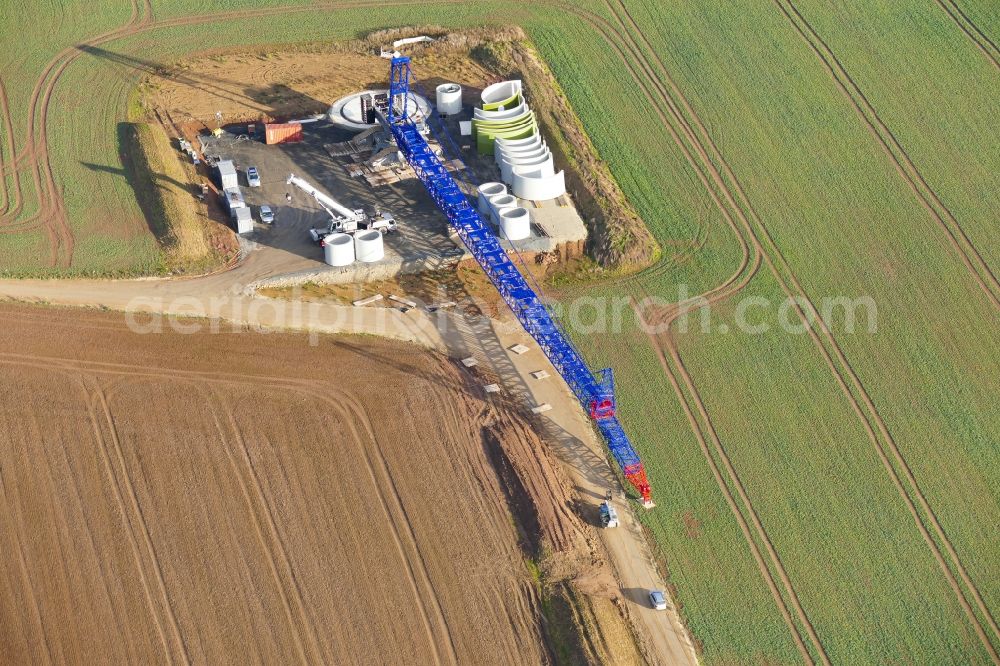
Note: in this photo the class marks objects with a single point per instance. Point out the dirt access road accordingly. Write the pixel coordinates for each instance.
(229, 297)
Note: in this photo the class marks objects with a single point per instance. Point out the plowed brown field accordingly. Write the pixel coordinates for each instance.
(239, 498)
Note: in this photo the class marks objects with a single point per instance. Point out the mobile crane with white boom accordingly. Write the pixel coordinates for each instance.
(342, 219)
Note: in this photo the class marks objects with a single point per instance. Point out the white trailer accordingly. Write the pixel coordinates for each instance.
(227, 174)
(244, 220)
(234, 200)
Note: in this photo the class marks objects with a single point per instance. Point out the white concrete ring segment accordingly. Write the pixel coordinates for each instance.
(515, 223)
(516, 143)
(338, 250)
(541, 163)
(506, 115)
(500, 150)
(535, 186)
(487, 190)
(498, 92)
(449, 99)
(368, 246)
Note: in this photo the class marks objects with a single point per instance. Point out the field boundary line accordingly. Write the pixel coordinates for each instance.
(971, 30)
(97, 399)
(925, 194)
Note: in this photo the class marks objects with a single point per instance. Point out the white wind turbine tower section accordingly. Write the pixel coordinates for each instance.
(524, 159)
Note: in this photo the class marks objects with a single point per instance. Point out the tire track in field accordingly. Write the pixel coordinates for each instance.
(734, 506)
(98, 394)
(528, 603)
(104, 574)
(257, 503)
(829, 59)
(925, 194)
(97, 408)
(198, 379)
(100, 397)
(840, 368)
(52, 213)
(348, 409)
(109, 368)
(628, 55)
(256, 381)
(8, 157)
(801, 314)
(731, 287)
(744, 271)
(452, 425)
(24, 570)
(971, 30)
(378, 469)
(444, 397)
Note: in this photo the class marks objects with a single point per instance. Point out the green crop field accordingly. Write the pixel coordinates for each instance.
(823, 495)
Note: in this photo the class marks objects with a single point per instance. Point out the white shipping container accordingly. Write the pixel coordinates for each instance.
(244, 220)
(234, 200)
(227, 174)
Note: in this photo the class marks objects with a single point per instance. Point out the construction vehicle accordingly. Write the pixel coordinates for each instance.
(342, 219)
(609, 517)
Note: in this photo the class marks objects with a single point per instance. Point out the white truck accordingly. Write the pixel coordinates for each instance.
(342, 219)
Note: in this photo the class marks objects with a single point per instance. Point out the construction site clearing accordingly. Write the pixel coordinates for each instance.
(333, 169)
(388, 182)
(392, 182)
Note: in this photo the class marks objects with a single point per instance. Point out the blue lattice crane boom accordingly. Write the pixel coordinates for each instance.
(597, 395)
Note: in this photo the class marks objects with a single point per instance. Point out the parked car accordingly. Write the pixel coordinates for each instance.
(266, 215)
(609, 517)
(253, 177)
(657, 600)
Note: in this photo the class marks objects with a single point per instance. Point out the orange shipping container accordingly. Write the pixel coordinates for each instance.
(282, 133)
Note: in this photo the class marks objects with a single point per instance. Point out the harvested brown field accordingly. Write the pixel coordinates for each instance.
(241, 497)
